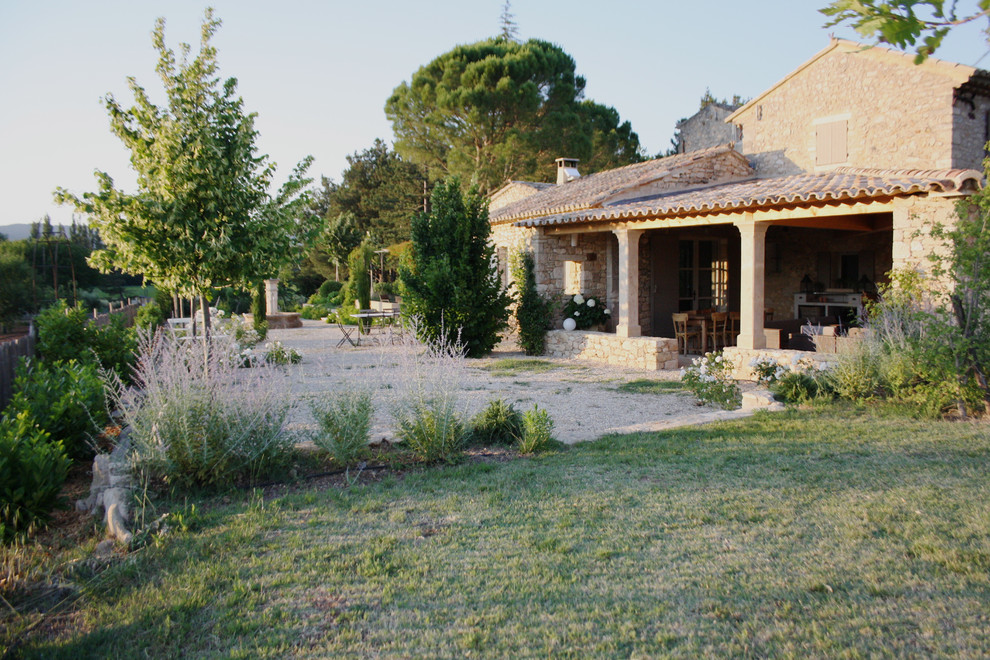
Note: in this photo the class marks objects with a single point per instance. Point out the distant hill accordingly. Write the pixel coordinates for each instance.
(21, 230)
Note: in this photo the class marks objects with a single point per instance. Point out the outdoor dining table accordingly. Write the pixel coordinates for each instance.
(375, 315)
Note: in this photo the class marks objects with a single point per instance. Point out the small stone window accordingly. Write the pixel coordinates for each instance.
(830, 143)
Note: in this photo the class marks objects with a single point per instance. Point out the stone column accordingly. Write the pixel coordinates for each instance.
(751, 285)
(271, 296)
(628, 324)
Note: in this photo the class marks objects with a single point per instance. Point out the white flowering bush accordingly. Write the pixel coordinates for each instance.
(766, 369)
(278, 353)
(807, 380)
(710, 378)
(586, 311)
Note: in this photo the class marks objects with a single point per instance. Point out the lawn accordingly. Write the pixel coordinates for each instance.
(836, 531)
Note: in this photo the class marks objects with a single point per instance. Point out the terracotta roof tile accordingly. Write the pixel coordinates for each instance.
(843, 184)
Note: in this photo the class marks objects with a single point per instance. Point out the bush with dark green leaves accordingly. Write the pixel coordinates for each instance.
(65, 333)
(498, 424)
(313, 312)
(533, 313)
(65, 399)
(32, 472)
(149, 317)
(453, 286)
(62, 333)
(115, 346)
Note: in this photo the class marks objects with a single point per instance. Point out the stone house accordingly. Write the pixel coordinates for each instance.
(839, 164)
(707, 128)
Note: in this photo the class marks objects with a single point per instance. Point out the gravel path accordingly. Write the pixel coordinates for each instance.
(581, 397)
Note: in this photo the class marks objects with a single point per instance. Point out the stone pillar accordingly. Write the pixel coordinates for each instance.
(751, 285)
(628, 324)
(271, 296)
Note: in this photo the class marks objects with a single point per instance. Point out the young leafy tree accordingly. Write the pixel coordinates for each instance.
(339, 239)
(453, 285)
(966, 263)
(499, 109)
(902, 23)
(966, 266)
(202, 216)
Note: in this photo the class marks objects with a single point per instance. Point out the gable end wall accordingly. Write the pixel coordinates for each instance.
(900, 116)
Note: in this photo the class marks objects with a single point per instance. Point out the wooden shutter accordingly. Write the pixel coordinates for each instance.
(830, 143)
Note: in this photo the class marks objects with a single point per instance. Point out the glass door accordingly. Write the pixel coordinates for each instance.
(702, 274)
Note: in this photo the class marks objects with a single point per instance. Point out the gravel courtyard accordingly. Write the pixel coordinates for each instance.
(582, 397)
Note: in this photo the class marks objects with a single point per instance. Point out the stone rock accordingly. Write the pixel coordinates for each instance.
(759, 400)
(111, 490)
(104, 548)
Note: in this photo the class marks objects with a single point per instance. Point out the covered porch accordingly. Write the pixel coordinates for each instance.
(812, 254)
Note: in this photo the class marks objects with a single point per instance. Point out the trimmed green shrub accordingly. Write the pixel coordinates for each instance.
(114, 345)
(32, 472)
(65, 399)
(537, 431)
(453, 285)
(329, 288)
(313, 312)
(344, 419)
(498, 424)
(65, 333)
(534, 312)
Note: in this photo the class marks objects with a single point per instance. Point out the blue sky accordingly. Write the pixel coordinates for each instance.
(318, 73)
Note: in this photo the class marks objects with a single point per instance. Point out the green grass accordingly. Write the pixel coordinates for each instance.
(826, 532)
(507, 367)
(650, 386)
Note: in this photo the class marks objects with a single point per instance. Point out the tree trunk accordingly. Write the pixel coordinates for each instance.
(205, 306)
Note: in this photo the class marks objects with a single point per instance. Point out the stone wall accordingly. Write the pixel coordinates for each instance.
(899, 115)
(513, 192)
(970, 121)
(706, 128)
(793, 252)
(914, 218)
(653, 353)
(741, 357)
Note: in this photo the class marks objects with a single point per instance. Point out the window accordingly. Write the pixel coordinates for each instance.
(830, 143)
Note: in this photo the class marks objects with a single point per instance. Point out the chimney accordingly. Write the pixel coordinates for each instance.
(567, 170)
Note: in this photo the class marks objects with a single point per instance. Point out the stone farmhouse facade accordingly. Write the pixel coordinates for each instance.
(836, 169)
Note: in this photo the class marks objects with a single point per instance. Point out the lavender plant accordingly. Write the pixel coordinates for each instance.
(425, 404)
(537, 431)
(196, 418)
(344, 419)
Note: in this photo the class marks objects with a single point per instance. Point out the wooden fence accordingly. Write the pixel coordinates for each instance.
(13, 350)
(128, 309)
(10, 354)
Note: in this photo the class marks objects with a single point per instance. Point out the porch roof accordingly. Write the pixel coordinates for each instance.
(844, 184)
(595, 190)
